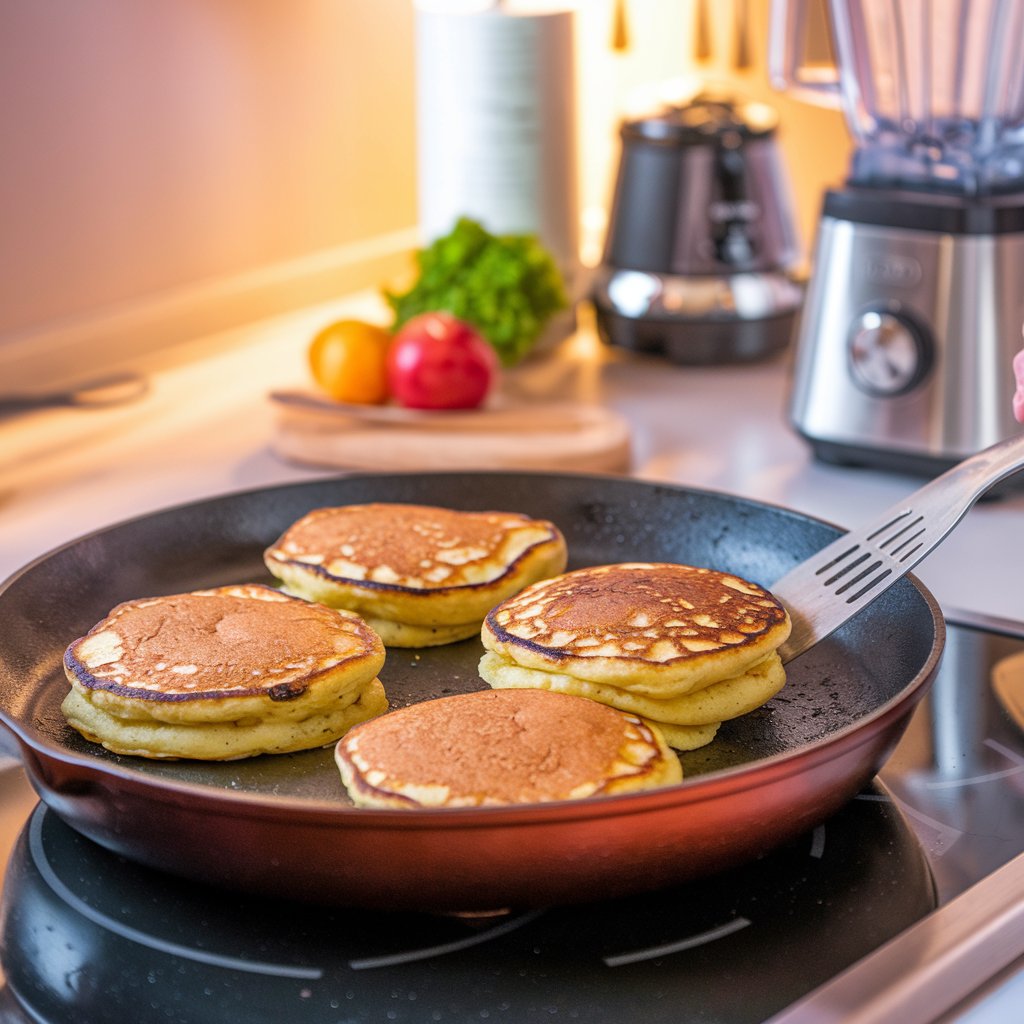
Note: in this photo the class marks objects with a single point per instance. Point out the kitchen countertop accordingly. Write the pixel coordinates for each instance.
(206, 427)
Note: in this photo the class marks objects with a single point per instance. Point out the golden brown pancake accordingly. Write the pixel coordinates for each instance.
(682, 646)
(501, 747)
(220, 741)
(221, 674)
(709, 705)
(419, 575)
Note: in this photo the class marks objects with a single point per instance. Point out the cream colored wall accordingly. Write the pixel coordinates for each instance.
(148, 146)
(154, 151)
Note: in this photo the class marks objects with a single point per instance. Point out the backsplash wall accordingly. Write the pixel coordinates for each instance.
(175, 165)
(152, 145)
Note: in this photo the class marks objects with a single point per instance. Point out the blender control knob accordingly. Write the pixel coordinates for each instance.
(888, 352)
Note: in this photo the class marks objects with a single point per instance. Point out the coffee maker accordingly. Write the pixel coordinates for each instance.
(701, 253)
(915, 303)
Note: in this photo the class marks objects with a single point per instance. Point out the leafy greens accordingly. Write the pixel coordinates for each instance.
(506, 286)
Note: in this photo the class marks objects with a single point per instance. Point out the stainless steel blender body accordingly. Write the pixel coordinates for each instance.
(904, 352)
(914, 308)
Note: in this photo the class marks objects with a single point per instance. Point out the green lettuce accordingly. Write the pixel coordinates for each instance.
(506, 286)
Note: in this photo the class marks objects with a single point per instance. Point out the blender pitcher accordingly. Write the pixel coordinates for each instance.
(933, 90)
(914, 306)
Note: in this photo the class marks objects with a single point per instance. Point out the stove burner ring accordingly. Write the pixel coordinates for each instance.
(89, 935)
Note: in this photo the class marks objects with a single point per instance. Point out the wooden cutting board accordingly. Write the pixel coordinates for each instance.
(527, 434)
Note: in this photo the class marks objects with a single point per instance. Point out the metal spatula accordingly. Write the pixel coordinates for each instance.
(832, 586)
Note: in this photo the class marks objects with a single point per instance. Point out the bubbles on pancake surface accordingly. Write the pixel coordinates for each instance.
(410, 545)
(654, 611)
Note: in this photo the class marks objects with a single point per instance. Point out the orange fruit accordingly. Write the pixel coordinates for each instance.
(348, 360)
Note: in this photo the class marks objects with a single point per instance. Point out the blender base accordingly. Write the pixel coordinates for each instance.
(911, 463)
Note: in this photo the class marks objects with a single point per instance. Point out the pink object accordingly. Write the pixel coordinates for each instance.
(1018, 398)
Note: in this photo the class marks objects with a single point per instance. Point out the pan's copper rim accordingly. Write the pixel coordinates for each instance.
(159, 818)
(687, 794)
(690, 792)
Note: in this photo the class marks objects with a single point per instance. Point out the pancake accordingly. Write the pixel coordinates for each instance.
(687, 737)
(421, 576)
(220, 741)
(222, 674)
(715, 703)
(684, 647)
(496, 747)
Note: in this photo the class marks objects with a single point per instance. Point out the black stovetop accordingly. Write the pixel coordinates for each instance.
(88, 936)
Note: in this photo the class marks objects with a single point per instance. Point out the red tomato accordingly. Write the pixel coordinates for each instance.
(437, 361)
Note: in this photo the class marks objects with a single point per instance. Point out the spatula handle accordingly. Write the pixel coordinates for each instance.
(829, 588)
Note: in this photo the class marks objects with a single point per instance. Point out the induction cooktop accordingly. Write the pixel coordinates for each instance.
(86, 935)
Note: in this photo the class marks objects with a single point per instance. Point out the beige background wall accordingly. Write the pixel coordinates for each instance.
(174, 165)
(152, 145)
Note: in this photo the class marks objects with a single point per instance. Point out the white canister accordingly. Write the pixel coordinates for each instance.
(496, 121)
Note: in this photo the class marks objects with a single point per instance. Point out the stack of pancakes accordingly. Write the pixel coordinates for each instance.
(501, 747)
(685, 648)
(595, 673)
(222, 674)
(419, 575)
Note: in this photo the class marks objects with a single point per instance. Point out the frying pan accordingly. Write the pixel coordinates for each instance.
(282, 825)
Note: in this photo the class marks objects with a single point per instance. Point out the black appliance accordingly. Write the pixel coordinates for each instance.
(701, 251)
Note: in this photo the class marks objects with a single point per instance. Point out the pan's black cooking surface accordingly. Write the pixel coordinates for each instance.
(281, 825)
(86, 935)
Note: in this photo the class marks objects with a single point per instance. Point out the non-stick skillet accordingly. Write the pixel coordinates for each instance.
(283, 826)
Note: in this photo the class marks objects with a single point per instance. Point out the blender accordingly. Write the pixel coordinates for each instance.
(913, 312)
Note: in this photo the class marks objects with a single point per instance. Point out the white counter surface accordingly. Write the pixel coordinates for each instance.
(206, 427)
